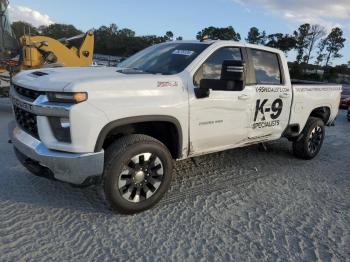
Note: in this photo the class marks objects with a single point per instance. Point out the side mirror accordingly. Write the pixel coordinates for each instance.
(221, 85)
(202, 92)
(233, 70)
(232, 79)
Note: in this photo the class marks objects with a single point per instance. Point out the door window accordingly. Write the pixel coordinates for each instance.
(211, 69)
(266, 67)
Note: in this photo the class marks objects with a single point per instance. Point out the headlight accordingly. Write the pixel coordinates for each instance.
(74, 98)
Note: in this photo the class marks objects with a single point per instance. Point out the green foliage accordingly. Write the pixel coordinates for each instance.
(58, 31)
(169, 36)
(281, 41)
(255, 37)
(19, 28)
(315, 34)
(334, 43)
(217, 33)
(302, 41)
(124, 42)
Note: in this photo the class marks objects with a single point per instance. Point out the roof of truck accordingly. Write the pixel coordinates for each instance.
(230, 42)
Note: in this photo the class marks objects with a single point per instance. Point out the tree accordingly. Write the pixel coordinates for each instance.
(320, 53)
(125, 32)
(58, 31)
(216, 33)
(179, 38)
(255, 37)
(302, 41)
(110, 40)
(282, 42)
(19, 28)
(333, 44)
(169, 36)
(316, 33)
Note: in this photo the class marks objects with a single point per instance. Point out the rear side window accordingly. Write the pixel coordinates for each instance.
(266, 67)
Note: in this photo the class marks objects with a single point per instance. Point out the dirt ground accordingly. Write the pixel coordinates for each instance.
(242, 204)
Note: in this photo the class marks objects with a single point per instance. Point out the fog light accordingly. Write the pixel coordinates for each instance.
(61, 129)
(65, 122)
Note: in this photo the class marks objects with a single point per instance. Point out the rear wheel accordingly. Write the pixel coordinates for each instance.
(138, 172)
(310, 143)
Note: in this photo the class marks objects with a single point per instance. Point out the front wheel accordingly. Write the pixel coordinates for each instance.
(310, 143)
(138, 172)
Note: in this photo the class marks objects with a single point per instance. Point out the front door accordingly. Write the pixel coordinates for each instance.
(221, 120)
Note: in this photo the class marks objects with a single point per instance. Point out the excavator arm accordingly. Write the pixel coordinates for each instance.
(42, 51)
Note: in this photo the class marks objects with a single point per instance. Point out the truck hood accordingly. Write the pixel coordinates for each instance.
(79, 79)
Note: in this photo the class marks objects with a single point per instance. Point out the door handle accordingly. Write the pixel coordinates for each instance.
(244, 97)
(284, 95)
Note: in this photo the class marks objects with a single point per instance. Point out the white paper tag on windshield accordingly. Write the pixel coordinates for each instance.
(183, 52)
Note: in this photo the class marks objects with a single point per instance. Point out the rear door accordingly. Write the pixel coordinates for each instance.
(273, 96)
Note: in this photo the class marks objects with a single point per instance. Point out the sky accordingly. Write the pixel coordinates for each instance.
(185, 18)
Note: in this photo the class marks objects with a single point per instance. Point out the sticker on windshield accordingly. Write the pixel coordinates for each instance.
(183, 52)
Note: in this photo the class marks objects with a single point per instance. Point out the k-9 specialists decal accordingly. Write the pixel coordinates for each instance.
(263, 112)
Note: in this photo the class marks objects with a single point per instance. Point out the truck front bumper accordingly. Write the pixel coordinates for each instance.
(77, 169)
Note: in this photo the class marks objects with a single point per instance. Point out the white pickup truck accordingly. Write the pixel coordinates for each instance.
(123, 127)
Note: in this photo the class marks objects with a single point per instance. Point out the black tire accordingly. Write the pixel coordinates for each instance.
(311, 139)
(120, 167)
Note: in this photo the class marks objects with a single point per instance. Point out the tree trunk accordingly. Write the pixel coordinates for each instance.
(328, 58)
(312, 43)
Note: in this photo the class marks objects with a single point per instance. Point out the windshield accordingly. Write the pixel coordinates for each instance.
(165, 59)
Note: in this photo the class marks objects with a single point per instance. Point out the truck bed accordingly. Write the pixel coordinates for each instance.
(310, 96)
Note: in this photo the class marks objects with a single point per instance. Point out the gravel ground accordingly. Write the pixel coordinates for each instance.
(243, 204)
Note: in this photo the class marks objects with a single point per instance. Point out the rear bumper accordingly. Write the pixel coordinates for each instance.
(77, 169)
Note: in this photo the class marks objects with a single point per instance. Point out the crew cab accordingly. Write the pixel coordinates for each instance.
(124, 127)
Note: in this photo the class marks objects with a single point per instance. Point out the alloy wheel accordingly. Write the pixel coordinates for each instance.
(315, 139)
(141, 177)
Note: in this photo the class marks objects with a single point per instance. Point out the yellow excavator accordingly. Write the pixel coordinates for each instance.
(43, 51)
(38, 51)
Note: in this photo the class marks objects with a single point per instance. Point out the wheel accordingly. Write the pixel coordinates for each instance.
(310, 143)
(138, 171)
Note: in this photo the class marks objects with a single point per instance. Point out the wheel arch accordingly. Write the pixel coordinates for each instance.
(128, 125)
(322, 112)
